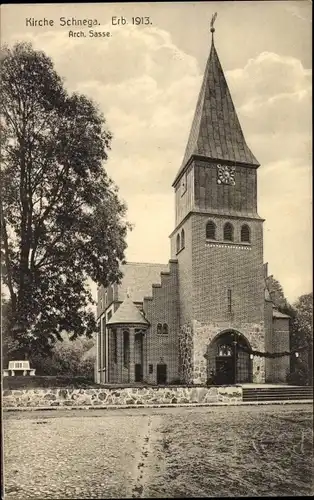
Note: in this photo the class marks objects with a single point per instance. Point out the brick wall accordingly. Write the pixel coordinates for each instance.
(268, 321)
(185, 283)
(184, 199)
(280, 367)
(211, 196)
(162, 308)
(219, 266)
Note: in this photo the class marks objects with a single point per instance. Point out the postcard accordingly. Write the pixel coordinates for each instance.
(156, 230)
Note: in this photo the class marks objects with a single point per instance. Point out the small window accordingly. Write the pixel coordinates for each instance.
(228, 232)
(178, 243)
(109, 315)
(183, 184)
(182, 239)
(245, 234)
(126, 348)
(106, 298)
(211, 230)
(159, 328)
(150, 369)
(165, 329)
(229, 301)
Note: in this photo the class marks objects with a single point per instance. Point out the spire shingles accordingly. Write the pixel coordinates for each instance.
(216, 131)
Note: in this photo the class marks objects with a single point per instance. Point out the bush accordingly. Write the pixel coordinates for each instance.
(67, 358)
(298, 377)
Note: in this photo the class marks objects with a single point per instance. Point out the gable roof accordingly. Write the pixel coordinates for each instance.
(138, 278)
(216, 132)
(127, 314)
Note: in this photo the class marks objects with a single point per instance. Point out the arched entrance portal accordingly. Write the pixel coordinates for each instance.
(228, 359)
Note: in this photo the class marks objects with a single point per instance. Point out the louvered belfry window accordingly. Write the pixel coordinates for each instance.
(211, 230)
(228, 232)
(245, 234)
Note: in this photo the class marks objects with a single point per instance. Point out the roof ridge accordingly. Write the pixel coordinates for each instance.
(144, 263)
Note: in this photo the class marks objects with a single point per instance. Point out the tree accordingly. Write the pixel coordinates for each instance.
(302, 335)
(276, 293)
(61, 219)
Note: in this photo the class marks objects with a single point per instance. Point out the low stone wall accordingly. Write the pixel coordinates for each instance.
(120, 396)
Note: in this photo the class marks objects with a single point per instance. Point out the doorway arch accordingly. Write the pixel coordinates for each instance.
(228, 359)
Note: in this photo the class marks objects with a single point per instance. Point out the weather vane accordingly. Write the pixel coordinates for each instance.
(212, 29)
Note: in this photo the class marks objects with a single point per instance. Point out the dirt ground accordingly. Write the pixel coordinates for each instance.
(151, 453)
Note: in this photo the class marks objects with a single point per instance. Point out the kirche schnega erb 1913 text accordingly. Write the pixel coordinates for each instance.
(75, 22)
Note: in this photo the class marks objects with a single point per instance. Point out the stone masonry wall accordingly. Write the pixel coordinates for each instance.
(186, 354)
(205, 334)
(33, 398)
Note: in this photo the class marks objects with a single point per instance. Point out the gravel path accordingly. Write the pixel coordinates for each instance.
(109, 454)
(76, 457)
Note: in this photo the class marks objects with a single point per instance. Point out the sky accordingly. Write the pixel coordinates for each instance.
(146, 80)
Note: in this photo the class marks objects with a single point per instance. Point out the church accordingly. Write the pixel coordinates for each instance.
(206, 314)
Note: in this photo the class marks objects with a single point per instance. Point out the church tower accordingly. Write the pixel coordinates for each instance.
(218, 242)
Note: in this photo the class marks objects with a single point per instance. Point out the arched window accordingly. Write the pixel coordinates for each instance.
(228, 232)
(126, 348)
(245, 233)
(178, 243)
(182, 239)
(224, 350)
(211, 230)
(159, 328)
(165, 329)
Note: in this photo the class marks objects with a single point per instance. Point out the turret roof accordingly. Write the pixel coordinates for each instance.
(127, 314)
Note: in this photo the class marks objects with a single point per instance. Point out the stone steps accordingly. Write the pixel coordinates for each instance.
(278, 393)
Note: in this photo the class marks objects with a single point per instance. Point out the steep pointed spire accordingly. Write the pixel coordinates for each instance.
(216, 131)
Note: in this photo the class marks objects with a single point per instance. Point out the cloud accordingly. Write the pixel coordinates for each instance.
(273, 96)
(147, 88)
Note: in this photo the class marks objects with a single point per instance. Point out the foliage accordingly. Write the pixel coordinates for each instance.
(299, 375)
(276, 293)
(301, 334)
(66, 358)
(301, 330)
(62, 221)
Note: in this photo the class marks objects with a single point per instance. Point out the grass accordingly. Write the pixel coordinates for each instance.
(232, 455)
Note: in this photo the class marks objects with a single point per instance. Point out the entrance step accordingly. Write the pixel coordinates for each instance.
(280, 393)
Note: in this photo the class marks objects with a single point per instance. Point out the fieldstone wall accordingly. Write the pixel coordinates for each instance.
(204, 334)
(186, 354)
(33, 398)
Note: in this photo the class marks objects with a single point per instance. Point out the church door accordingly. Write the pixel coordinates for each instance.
(232, 361)
(138, 373)
(225, 370)
(161, 374)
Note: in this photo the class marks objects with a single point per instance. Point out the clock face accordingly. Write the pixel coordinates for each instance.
(225, 175)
